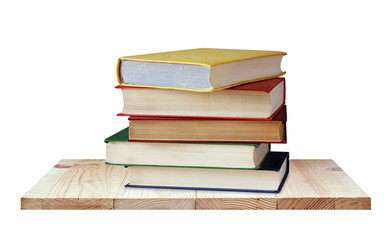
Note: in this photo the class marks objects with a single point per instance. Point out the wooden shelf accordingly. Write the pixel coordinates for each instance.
(90, 184)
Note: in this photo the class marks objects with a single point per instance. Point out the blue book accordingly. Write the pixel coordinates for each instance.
(269, 178)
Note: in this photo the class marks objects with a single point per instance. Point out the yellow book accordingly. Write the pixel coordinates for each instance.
(201, 69)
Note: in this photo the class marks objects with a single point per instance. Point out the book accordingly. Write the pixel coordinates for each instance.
(258, 100)
(269, 178)
(209, 130)
(201, 69)
(121, 151)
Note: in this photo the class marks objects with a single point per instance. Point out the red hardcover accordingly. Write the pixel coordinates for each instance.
(280, 116)
(265, 85)
(230, 141)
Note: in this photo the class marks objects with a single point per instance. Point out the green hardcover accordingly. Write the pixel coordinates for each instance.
(123, 136)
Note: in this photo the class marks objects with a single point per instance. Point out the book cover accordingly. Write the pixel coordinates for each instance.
(264, 86)
(123, 136)
(203, 56)
(179, 124)
(208, 58)
(281, 115)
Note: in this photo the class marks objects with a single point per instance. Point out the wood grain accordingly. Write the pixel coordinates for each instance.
(320, 184)
(235, 200)
(144, 198)
(76, 184)
(90, 184)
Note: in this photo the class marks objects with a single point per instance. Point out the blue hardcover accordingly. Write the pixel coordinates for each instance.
(273, 162)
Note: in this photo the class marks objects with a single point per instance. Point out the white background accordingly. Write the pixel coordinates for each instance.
(58, 101)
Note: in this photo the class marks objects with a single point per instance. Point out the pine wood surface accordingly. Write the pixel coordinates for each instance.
(90, 184)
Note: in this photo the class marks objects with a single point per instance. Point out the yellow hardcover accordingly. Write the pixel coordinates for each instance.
(200, 56)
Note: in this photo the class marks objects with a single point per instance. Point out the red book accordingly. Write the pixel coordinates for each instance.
(255, 101)
(177, 129)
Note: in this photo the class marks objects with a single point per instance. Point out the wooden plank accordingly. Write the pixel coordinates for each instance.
(320, 184)
(76, 184)
(90, 184)
(144, 198)
(235, 200)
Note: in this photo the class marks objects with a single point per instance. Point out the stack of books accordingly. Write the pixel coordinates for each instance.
(202, 119)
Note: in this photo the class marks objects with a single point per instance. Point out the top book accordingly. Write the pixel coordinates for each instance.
(201, 69)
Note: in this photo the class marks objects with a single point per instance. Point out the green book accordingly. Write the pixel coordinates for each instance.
(120, 150)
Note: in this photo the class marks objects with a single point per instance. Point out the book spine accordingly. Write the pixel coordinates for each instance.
(119, 71)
